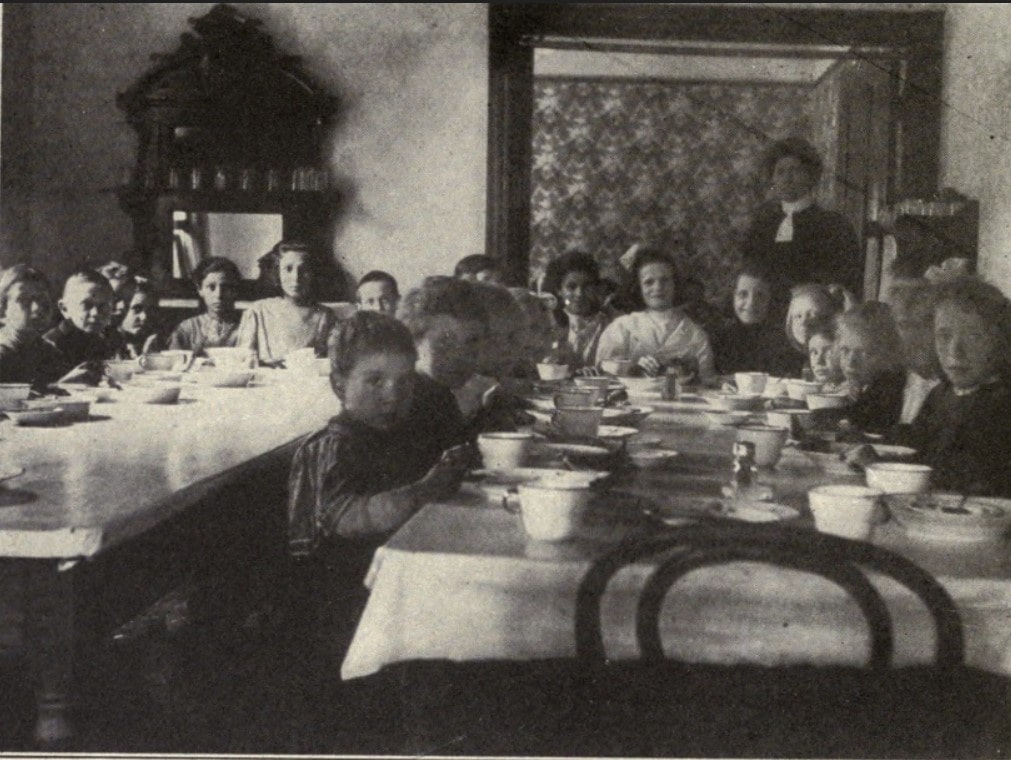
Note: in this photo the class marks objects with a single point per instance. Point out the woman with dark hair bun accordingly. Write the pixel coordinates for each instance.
(793, 236)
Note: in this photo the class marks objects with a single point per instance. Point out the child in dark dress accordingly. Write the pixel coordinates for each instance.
(870, 357)
(79, 339)
(963, 430)
(754, 341)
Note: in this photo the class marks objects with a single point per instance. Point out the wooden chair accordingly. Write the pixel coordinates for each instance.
(657, 707)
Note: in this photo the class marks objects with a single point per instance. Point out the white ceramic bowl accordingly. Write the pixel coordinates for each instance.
(751, 383)
(816, 401)
(232, 358)
(150, 393)
(12, 393)
(898, 477)
(72, 409)
(504, 451)
(768, 442)
(844, 510)
(795, 420)
(548, 371)
(166, 361)
(552, 510)
(951, 517)
(617, 367)
(798, 389)
(122, 371)
(642, 386)
(733, 402)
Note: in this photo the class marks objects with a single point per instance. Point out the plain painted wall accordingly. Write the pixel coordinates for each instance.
(410, 139)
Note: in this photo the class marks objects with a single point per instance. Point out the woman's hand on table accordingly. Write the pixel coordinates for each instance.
(650, 365)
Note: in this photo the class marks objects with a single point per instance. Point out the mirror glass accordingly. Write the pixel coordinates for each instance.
(242, 238)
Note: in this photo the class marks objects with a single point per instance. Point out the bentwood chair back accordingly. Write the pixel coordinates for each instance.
(658, 707)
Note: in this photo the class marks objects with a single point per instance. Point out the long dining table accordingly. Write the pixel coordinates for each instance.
(94, 490)
(461, 581)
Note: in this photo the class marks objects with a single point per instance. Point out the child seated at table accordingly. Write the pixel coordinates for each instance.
(753, 340)
(377, 461)
(122, 281)
(964, 427)
(574, 280)
(912, 302)
(137, 333)
(274, 327)
(392, 448)
(870, 357)
(810, 303)
(26, 312)
(217, 281)
(80, 338)
(822, 357)
(658, 334)
(377, 291)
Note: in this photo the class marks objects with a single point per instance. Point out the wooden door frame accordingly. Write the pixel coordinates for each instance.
(916, 37)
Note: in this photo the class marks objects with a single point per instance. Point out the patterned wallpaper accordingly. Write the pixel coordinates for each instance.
(620, 162)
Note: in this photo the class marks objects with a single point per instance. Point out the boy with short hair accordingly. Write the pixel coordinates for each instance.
(377, 291)
(86, 306)
(375, 464)
(478, 268)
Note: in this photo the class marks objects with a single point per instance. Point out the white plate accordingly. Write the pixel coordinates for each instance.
(499, 483)
(615, 432)
(648, 459)
(701, 507)
(613, 415)
(951, 517)
(577, 450)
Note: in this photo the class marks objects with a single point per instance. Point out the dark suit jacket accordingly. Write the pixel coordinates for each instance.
(824, 248)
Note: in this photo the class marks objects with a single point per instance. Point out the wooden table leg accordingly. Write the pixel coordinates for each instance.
(50, 640)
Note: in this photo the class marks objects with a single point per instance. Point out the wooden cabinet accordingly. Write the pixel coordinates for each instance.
(230, 138)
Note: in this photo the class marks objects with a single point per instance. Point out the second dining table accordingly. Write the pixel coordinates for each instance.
(461, 580)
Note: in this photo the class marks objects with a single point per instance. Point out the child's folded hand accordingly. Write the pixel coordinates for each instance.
(446, 475)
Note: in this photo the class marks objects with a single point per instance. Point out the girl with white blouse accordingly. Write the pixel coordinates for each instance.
(660, 333)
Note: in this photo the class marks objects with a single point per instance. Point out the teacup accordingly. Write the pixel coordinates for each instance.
(123, 371)
(549, 371)
(768, 442)
(601, 385)
(581, 422)
(552, 510)
(843, 510)
(166, 361)
(577, 397)
(751, 383)
(504, 451)
(617, 367)
(797, 421)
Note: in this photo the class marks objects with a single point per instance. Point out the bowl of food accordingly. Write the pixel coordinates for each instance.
(950, 516)
(735, 402)
(821, 401)
(72, 408)
(166, 361)
(13, 393)
(768, 442)
(122, 371)
(898, 477)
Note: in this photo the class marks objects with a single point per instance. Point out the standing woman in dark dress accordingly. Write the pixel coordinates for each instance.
(794, 237)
